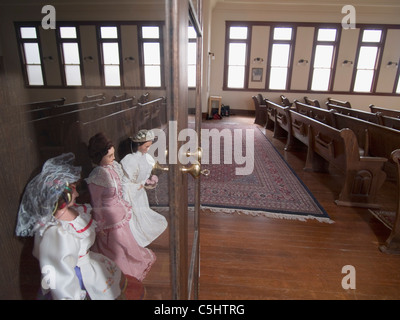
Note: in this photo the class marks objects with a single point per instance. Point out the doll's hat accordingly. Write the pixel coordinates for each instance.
(143, 136)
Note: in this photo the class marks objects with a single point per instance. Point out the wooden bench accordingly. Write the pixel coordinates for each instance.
(144, 98)
(117, 126)
(330, 146)
(377, 140)
(285, 101)
(44, 104)
(261, 112)
(282, 123)
(157, 109)
(384, 111)
(339, 103)
(59, 109)
(322, 115)
(312, 102)
(119, 97)
(369, 134)
(52, 131)
(392, 244)
(150, 114)
(389, 122)
(377, 117)
(359, 114)
(97, 96)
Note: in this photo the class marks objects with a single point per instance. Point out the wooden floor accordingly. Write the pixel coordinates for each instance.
(248, 258)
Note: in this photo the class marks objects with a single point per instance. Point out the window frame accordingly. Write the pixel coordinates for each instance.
(316, 26)
(397, 80)
(192, 40)
(228, 41)
(22, 55)
(378, 62)
(141, 42)
(292, 45)
(100, 42)
(335, 44)
(96, 25)
(60, 42)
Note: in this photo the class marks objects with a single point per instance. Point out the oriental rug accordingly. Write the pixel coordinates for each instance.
(272, 189)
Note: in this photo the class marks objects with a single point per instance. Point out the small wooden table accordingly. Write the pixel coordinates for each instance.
(211, 99)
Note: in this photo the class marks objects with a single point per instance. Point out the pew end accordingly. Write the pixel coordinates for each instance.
(392, 243)
(363, 176)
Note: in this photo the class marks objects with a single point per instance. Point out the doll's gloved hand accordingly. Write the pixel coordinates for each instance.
(152, 181)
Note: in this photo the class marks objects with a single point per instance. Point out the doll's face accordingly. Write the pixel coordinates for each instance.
(144, 148)
(108, 158)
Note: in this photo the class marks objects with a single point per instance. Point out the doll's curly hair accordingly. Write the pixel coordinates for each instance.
(98, 147)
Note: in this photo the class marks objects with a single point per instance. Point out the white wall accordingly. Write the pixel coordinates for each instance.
(377, 12)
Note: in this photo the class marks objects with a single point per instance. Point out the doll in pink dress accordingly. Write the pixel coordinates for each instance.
(112, 213)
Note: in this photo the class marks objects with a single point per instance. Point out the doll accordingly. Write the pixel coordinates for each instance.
(112, 213)
(64, 233)
(137, 165)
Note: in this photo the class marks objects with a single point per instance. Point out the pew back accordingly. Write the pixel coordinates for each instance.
(329, 146)
(385, 111)
(381, 140)
(312, 102)
(376, 117)
(59, 109)
(339, 103)
(322, 115)
(53, 131)
(360, 114)
(44, 104)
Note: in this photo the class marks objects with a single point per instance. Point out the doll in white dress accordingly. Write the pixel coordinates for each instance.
(64, 233)
(146, 224)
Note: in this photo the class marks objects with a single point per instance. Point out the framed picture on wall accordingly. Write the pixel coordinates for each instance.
(256, 74)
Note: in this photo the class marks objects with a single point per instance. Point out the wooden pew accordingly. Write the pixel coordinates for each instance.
(379, 141)
(157, 109)
(261, 99)
(282, 123)
(44, 104)
(52, 131)
(59, 109)
(360, 114)
(329, 146)
(339, 103)
(389, 122)
(377, 117)
(322, 115)
(384, 111)
(117, 126)
(270, 116)
(285, 101)
(114, 106)
(101, 96)
(144, 98)
(312, 102)
(392, 244)
(150, 114)
(123, 96)
(261, 112)
(269, 113)
(163, 112)
(373, 139)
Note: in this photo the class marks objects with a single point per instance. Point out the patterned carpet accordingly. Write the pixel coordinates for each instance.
(272, 189)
